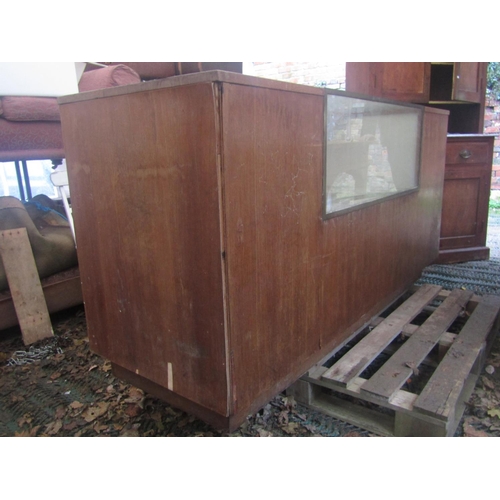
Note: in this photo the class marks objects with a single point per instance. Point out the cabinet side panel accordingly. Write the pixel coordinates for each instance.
(144, 189)
(298, 284)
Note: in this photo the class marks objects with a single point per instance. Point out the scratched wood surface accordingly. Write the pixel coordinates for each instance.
(200, 199)
(144, 188)
(298, 284)
(24, 284)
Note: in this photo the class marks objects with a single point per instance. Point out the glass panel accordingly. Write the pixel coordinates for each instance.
(373, 151)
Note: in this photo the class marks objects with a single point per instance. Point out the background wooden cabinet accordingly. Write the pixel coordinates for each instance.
(404, 82)
(460, 88)
(465, 198)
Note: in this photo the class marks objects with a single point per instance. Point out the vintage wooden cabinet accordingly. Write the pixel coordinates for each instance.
(214, 274)
(460, 88)
(465, 198)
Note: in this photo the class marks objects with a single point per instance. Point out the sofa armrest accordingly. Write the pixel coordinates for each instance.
(111, 76)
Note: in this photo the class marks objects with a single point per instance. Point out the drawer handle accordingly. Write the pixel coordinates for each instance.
(465, 154)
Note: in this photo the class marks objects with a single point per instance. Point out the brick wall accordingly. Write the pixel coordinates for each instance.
(317, 74)
(332, 75)
(492, 126)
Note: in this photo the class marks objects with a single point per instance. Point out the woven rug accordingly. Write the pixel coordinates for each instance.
(482, 277)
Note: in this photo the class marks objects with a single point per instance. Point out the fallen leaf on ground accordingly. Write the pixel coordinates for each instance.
(133, 410)
(264, 433)
(283, 417)
(488, 383)
(93, 412)
(494, 413)
(352, 434)
(291, 428)
(471, 432)
(54, 427)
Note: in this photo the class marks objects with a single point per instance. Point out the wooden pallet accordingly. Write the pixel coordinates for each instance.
(407, 374)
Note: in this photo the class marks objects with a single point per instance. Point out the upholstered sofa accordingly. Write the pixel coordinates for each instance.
(30, 127)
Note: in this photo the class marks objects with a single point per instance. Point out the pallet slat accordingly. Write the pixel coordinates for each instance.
(358, 358)
(437, 410)
(399, 367)
(440, 395)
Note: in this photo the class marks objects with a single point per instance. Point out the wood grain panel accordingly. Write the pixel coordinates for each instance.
(207, 267)
(460, 209)
(298, 284)
(144, 190)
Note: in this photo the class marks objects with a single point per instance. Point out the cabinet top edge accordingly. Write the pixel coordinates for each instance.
(191, 79)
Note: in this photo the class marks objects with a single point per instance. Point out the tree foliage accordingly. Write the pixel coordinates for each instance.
(493, 80)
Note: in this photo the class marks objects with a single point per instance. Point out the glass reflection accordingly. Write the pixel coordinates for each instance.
(373, 151)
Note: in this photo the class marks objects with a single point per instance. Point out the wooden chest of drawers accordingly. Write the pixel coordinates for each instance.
(465, 198)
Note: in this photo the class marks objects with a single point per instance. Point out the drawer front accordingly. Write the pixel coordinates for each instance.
(467, 152)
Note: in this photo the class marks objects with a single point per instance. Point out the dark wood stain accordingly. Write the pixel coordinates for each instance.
(201, 240)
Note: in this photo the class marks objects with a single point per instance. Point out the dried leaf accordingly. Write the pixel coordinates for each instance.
(133, 410)
(22, 434)
(130, 433)
(106, 367)
(55, 375)
(488, 383)
(54, 427)
(25, 419)
(470, 430)
(283, 418)
(34, 431)
(100, 427)
(264, 433)
(494, 413)
(93, 412)
(71, 425)
(311, 428)
(291, 427)
(352, 434)
(60, 412)
(75, 405)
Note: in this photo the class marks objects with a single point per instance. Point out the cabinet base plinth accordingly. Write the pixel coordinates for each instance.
(463, 255)
(212, 418)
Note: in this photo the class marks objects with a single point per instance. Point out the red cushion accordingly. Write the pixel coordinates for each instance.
(111, 76)
(22, 109)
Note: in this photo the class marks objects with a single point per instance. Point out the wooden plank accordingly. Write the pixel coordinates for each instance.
(24, 284)
(440, 396)
(362, 354)
(445, 341)
(400, 366)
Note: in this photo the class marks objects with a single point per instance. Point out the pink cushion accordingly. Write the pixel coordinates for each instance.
(146, 70)
(21, 109)
(112, 76)
(30, 140)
